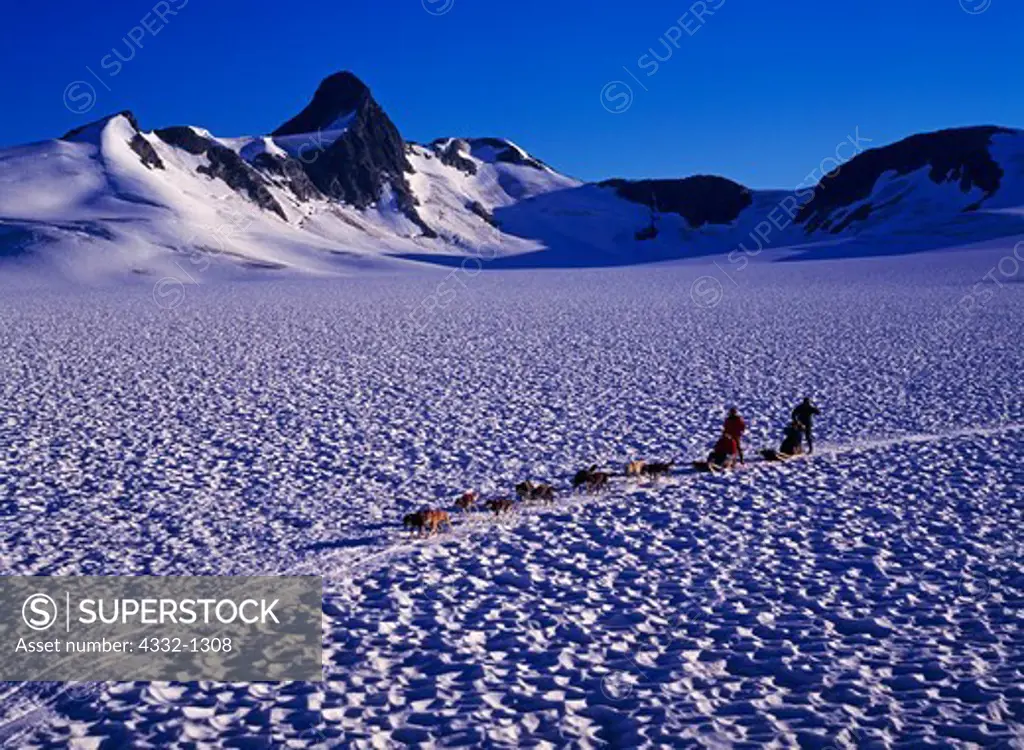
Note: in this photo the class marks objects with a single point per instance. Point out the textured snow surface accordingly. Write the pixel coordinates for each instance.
(870, 596)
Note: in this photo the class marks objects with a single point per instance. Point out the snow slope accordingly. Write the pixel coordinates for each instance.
(870, 596)
(107, 212)
(103, 211)
(336, 190)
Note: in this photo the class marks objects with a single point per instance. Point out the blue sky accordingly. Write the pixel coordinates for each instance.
(759, 91)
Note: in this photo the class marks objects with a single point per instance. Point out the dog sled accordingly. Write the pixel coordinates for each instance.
(707, 467)
(767, 455)
(772, 455)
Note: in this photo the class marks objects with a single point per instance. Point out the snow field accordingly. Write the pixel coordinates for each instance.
(869, 595)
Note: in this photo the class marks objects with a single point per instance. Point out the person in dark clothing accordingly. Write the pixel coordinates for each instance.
(734, 428)
(805, 413)
(792, 442)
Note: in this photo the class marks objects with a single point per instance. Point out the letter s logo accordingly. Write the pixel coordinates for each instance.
(39, 612)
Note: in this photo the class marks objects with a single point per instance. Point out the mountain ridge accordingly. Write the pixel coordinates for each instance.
(337, 189)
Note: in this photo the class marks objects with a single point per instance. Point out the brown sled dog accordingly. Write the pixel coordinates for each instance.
(501, 505)
(590, 479)
(429, 521)
(658, 469)
(435, 519)
(467, 501)
(413, 521)
(529, 491)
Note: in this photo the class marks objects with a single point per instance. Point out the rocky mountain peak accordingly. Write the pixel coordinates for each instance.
(336, 97)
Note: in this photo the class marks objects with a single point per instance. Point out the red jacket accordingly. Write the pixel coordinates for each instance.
(727, 446)
(735, 427)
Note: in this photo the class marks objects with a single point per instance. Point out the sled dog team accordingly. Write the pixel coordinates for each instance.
(725, 455)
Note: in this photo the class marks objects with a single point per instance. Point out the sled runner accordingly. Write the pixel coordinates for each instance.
(706, 467)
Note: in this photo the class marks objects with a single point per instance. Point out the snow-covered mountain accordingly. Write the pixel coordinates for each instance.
(336, 188)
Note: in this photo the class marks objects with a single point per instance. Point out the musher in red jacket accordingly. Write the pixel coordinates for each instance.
(723, 455)
(735, 427)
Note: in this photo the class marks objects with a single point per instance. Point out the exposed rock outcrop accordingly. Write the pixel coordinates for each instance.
(289, 173)
(137, 142)
(451, 153)
(147, 154)
(960, 155)
(701, 200)
(224, 164)
(477, 208)
(368, 156)
(185, 138)
(228, 166)
(336, 97)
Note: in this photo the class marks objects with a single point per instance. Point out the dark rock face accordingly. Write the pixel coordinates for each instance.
(512, 156)
(960, 155)
(416, 219)
(336, 96)
(700, 200)
(224, 165)
(228, 166)
(452, 155)
(477, 208)
(146, 152)
(356, 167)
(289, 173)
(185, 138)
(368, 156)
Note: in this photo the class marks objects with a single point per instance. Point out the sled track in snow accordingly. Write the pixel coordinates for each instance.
(30, 704)
(925, 437)
(342, 566)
